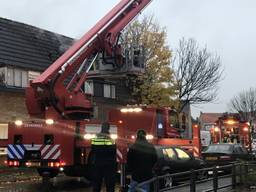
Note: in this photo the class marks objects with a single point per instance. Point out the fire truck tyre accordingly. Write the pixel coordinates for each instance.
(48, 172)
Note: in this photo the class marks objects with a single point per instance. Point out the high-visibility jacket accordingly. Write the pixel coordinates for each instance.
(102, 141)
(103, 150)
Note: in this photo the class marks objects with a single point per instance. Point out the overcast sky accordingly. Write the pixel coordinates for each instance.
(227, 27)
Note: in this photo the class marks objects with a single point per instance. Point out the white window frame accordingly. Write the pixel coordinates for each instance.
(24, 78)
(15, 77)
(10, 76)
(3, 131)
(88, 87)
(109, 91)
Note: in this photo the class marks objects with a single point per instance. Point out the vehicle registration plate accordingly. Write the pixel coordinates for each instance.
(33, 164)
(211, 158)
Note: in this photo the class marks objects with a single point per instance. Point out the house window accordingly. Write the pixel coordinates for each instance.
(24, 78)
(98, 89)
(4, 131)
(208, 127)
(10, 77)
(2, 76)
(16, 77)
(109, 91)
(88, 87)
(32, 75)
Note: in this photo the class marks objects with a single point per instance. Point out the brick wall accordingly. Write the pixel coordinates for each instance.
(12, 105)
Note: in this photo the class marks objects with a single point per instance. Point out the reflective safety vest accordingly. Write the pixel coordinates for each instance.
(102, 141)
(103, 150)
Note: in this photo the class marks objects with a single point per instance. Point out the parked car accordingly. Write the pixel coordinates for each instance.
(223, 154)
(172, 159)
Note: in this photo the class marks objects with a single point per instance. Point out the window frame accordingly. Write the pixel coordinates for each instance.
(15, 137)
(52, 139)
(111, 91)
(4, 133)
(15, 77)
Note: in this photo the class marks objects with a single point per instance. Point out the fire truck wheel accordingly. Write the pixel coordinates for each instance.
(44, 172)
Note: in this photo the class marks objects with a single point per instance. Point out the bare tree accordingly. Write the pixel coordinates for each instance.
(245, 104)
(197, 73)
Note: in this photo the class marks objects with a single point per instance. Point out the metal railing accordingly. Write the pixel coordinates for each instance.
(235, 174)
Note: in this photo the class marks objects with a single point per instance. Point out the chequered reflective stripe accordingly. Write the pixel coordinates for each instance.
(47, 151)
(15, 151)
(56, 155)
(119, 155)
(196, 152)
(50, 151)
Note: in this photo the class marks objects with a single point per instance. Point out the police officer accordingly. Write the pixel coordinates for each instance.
(103, 160)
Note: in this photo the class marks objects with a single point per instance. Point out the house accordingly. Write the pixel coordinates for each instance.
(25, 52)
(208, 120)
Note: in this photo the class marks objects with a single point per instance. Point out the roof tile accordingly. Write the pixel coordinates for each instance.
(210, 117)
(29, 47)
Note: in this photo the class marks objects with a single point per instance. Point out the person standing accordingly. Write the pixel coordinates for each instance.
(103, 160)
(141, 159)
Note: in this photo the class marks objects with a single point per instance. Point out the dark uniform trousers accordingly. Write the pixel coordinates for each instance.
(104, 166)
(108, 173)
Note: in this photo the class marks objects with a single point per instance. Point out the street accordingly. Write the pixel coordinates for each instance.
(28, 181)
(59, 184)
(207, 186)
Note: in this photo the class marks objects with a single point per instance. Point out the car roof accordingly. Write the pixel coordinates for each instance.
(230, 144)
(166, 146)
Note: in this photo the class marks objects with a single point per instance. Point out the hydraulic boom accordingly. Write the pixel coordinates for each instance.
(57, 92)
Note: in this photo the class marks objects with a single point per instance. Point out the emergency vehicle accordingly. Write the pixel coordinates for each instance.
(231, 129)
(58, 137)
(64, 145)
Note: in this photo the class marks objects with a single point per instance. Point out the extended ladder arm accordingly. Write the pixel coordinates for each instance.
(49, 96)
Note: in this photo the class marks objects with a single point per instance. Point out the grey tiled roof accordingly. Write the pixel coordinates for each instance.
(29, 47)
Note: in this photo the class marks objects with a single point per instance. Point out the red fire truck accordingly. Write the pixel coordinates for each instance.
(64, 145)
(231, 129)
(59, 138)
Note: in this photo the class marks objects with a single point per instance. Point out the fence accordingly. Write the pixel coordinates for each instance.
(235, 174)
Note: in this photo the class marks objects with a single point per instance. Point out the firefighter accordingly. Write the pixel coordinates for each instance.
(141, 159)
(103, 160)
